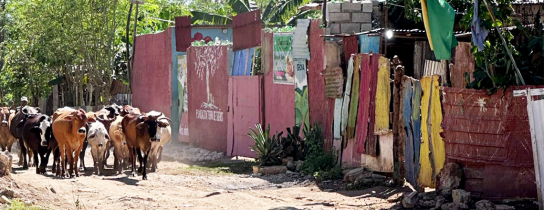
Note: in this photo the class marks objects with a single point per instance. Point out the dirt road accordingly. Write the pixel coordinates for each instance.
(179, 185)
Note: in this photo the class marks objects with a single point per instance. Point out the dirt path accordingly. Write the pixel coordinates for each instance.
(179, 185)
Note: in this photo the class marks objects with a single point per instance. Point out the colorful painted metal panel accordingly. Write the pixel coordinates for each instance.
(409, 163)
(243, 62)
(372, 143)
(354, 106)
(416, 126)
(347, 97)
(383, 98)
(364, 103)
(368, 44)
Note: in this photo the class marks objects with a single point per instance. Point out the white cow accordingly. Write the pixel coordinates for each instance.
(98, 139)
(164, 137)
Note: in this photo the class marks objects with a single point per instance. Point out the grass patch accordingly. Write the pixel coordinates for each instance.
(220, 168)
(19, 205)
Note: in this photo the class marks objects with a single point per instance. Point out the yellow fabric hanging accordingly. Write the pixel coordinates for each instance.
(426, 21)
(383, 98)
(426, 175)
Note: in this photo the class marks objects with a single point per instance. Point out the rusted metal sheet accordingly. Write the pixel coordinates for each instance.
(208, 98)
(246, 32)
(350, 47)
(267, 51)
(279, 100)
(332, 54)
(183, 33)
(490, 135)
(371, 147)
(247, 109)
(464, 64)
(318, 103)
(369, 44)
(422, 52)
(364, 103)
(350, 157)
(383, 162)
(334, 82)
(153, 57)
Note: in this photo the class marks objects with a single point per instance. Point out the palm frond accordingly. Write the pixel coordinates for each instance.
(284, 9)
(302, 15)
(208, 18)
(239, 6)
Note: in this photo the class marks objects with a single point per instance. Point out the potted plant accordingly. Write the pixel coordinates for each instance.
(266, 148)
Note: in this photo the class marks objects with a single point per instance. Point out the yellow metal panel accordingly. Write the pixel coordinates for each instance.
(436, 122)
(425, 170)
(383, 98)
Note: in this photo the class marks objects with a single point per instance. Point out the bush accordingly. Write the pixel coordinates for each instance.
(293, 145)
(319, 163)
(268, 150)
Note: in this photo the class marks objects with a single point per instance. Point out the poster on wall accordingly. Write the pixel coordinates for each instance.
(283, 59)
(182, 90)
(301, 93)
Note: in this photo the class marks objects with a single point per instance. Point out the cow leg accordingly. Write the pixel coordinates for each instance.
(107, 154)
(44, 160)
(71, 162)
(140, 159)
(77, 154)
(144, 175)
(35, 161)
(133, 161)
(82, 155)
(56, 155)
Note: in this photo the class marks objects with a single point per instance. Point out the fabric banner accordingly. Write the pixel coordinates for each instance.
(301, 94)
(283, 59)
(383, 97)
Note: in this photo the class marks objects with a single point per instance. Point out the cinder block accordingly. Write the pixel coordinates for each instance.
(340, 17)
(335, 28)
(375, 2)
(349, 28)
(334, 7)
(367, 6)
(366, 26)
(361, 17)
(351, 7)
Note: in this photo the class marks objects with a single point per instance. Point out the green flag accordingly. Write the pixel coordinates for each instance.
(441, 18)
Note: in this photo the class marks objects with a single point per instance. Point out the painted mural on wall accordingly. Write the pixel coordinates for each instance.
(301, 93)
(208, 101)
(182, 90)
(283, 59)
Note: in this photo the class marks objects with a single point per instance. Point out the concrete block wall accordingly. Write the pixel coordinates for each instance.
(350, 17)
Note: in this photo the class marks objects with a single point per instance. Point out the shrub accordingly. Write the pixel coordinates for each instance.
(293, 145)
(268, 150)
(319, 163)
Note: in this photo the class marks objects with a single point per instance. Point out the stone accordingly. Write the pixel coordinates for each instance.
(427, 203)
(298, 165)
(394, 199)
(339, 17)
(410, 200)
(449, 178)
(355, 174)
(361, 17)
(334, 7)
(335, 28)
(367, 6)
(273, 169)
(485, 205)
(504, 207)
(291, 166)
(5, 163)
(4, 200)
(349, 28)
(7, 192)
(366, 26)
(428, 196)
(351, 7)
(286, 160)
(454, 206)
(439, 201)
(460, 196)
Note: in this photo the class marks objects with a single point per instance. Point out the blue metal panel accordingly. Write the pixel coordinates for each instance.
(406, 94)
(369, 43)
(243, 59)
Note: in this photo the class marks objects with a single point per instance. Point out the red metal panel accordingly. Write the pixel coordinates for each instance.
(183, 33)
(372, 144)
(351, 46)
(247, 112)
(246, 32)
(153, 57)
(279, 99)
(361, 129)
(208, 100)
(490, 135)
(319, 105)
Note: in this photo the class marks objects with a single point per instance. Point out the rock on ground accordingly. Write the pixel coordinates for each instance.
(504, 207)
(454, 206)
(5, 163)
(485, 205)
(410, 200)
(460, 196)
(354, 175)
(449, 178)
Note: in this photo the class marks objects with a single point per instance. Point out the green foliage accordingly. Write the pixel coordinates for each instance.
(320, 163)
(267, 149)
(19, 205)
(219, 168)
(293, 145)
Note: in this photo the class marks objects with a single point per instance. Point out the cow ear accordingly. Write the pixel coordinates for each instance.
(43, 118)
(25, 111)
(162, 124)
(69, 117)
(140, 126)
(38, 109)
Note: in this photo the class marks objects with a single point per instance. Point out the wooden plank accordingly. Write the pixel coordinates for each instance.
(347, 97)
(406, 108)
(425, 178)
(397, 151)
(464, 63)
(439, 149)
(416, 128)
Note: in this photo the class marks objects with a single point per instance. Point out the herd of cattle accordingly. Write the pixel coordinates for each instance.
(68, 132)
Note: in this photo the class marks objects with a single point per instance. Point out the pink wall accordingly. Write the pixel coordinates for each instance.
(151, 80)
(279, 99)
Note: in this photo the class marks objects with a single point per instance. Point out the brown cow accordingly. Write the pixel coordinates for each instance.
(140, 130)
(121, 151)
(17, 132)
(6, 139)
(69, 128)
(129, 110)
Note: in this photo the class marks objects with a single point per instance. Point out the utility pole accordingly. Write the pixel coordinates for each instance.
(130, 58)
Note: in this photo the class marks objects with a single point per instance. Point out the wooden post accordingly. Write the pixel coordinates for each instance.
(398, 165)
